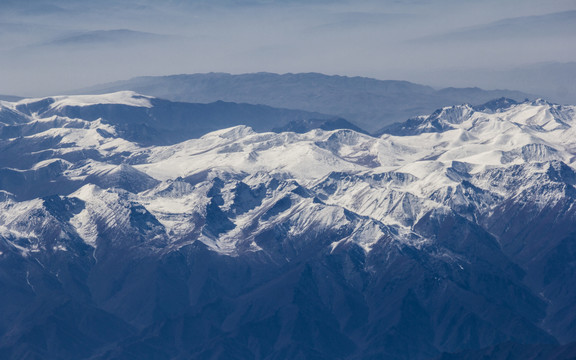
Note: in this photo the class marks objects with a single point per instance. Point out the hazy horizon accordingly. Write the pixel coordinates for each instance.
(50, 47)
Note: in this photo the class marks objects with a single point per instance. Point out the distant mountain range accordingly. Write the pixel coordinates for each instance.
(553, 26)
(554, 80)
(449, 236)
(369, 103)
(10, 98)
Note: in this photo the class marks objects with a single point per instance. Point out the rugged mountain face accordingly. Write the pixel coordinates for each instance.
(367, 102)
(450, 234)
(153, 121)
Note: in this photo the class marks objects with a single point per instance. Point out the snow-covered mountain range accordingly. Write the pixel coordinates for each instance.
(447, 233)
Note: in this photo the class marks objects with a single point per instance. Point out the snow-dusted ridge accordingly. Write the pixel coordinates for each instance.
(456, 159)
(129, 98)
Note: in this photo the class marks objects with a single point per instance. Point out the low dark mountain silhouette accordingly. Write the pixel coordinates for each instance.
(369, 103)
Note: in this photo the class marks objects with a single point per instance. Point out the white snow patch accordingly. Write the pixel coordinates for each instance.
(129, 98)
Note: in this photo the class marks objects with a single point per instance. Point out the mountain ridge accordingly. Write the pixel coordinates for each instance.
(137, 115)
(325, 243)
(369, 103)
